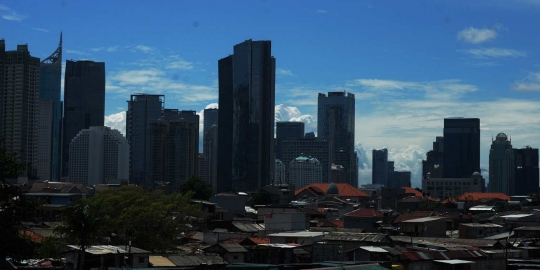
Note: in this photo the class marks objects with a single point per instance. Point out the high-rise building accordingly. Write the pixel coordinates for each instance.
(84, 101)
(170, 152)
(391, 181)
(402, 179)
(246, 117)
(210, 118)
(98, 155)
(304, 171)
(210, 145)
(501, 166)
(461, 147)
(309, 146)
(279, 175)
(432, 167)
(143, 109)
(526, 171)
(379, 170)
(192, 119)
(19, 98)
(203, 167)
(285, 131)
(50, 116)
(338, 174)
(453, 187)
(336, 123)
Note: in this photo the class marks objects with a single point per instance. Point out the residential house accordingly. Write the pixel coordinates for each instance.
(477, 230)
(230, 204)
(366, 219)
(527, 232)
(344, 191)
(176, 261)
(482, 198)
(426, 227)
(230, 252)
(55, 196)
(303, 238)
(389, 196)
(335, 244)
(283, 222)
(107, 256)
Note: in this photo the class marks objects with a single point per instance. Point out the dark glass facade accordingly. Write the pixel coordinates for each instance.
(461, 147)
(225, 124)
(285, 131)
(143, 109)
(50, 88)
(336, 122)
(252, 114)
(432, 167)
(379, 170)
(84, 101)
(526, 173)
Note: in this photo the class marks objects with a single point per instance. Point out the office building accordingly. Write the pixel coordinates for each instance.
(210, 145)
(19, 99)
(453, 187)
(98, 155)
(192, 119)
(170, 152)
(402, 179)
(50, 116)
(433, 165)
(202, 167)
(336, 123)
(304, 171)
(315, 147)
(279, 174)
(379, 171)
(390, 176)
(285, 131)
(143, 109)
(84, 102)
(210, 120)
(338, 174)
(461, 147)
(501, 166)
(246, 117)
(526, 171)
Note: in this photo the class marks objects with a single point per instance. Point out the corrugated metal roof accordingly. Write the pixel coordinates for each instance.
(186, 261)
(106, 249)
(355, 237)
(373, 249)
(248, 227)
(424, 219)
(424, 256)
(297, 234)
(160, 261)
(233, 247)
(454, 262)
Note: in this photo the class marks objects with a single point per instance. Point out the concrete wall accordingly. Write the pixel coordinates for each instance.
(280, 222)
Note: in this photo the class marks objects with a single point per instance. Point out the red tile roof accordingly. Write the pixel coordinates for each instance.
(233, 240)
(412, 191)
(338, 223)
(260, 240)
(475, 196)
(345, 190)
(365, 213)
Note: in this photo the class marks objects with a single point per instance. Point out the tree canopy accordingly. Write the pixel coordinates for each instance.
(262, 197)
(197, 187)
(9, 166)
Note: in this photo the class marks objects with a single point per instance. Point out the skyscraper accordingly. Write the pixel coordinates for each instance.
(143, 109)
(432, 167)
(461, 147)
(84, 101)
(287, 130)
(169, 155)
(50, 116)
(318, 148)
(210, 118)
(246, 117)
(391, 180)
(304, 171)
(336, 122)
(211, 155)
(98, 155)
(501, 166)
(526, 171)
(379, 170)
(19, 97)
(192, 150)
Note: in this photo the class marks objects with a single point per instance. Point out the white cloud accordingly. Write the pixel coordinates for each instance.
(321, 11)
(284, 72)
(40, 29)
(2, 7)
(76, 52)
(289, 113)
(14, 17)
(529, 84)
(144, 48)
(477, 35)
(179, 64)
(117, 121)
(493, 53)
(97, 49)
(108, 49)
(112, 49)
(212, 106)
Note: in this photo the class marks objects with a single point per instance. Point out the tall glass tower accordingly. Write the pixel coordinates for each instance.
(501, 166)
(50, 116)
(248, 79)
(335, 122)
(461, 147)
(84, 102)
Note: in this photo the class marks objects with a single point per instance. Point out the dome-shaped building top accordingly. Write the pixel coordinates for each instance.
(501, 137)
(476, 174)
(332, 189)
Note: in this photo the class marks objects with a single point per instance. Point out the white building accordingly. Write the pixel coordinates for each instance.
(304, 171)
(279, 172)
(98, 155)
(452, 187)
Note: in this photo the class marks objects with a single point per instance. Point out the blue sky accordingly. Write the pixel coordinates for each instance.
(410, 63)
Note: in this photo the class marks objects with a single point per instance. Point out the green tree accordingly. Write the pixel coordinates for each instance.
(263, 197)
(80, 226)
(51, 247)
(9, 166)
(150, 219)
(198, 187)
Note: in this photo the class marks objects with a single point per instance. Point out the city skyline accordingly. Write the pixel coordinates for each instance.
(475, 64)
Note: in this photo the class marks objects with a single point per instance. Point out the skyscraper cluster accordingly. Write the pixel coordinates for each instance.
(383, 171)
